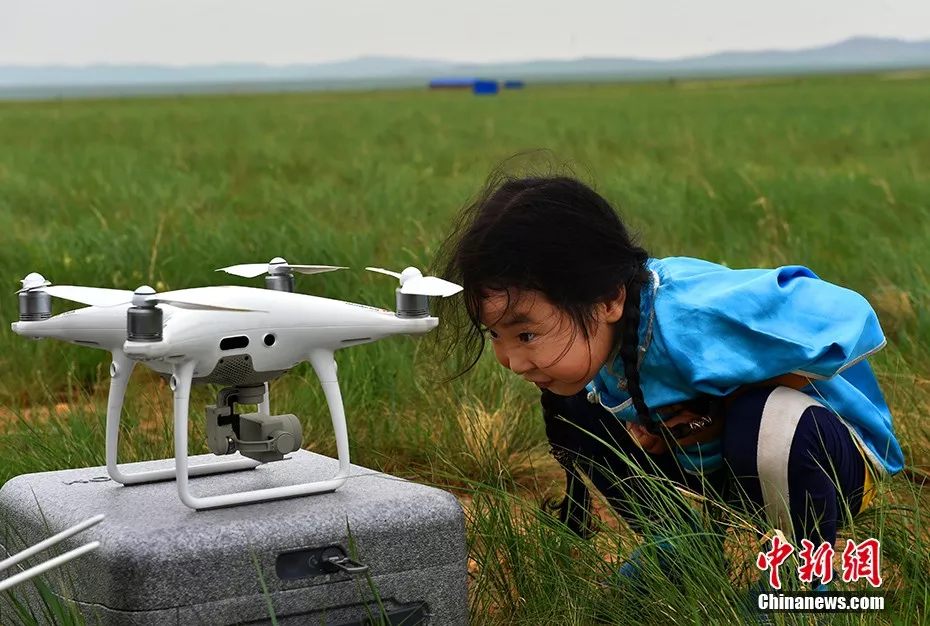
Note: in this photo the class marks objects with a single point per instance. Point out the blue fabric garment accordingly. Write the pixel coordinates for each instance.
(708, 329)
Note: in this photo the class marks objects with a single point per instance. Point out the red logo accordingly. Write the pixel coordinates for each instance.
(860, 560)
(817, 563)
(773, 559)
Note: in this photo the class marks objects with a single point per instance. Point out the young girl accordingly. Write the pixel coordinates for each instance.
(748, 384)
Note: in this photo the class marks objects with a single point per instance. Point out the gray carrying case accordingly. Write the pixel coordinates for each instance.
(162, 563)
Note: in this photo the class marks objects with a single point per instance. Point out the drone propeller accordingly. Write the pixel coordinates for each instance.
(413, 282)
(35, 297)
(141, 297)
(276, 266)
(93, 296)
(33, 280)
(146, 296)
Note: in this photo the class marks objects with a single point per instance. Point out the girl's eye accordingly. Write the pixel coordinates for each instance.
(492, 333)
(526, 337)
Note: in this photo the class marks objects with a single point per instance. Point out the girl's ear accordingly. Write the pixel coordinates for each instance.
(613, 309)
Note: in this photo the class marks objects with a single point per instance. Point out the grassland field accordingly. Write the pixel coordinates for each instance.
(829, 172)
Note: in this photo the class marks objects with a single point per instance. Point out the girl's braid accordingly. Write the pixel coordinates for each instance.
(629, 346)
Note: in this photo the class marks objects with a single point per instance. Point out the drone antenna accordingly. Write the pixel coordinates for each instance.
(12, 581)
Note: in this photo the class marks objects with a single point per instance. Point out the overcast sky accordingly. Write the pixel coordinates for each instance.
(190, 32)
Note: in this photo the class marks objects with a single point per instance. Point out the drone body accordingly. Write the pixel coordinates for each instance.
(238, 337)
(268, 335)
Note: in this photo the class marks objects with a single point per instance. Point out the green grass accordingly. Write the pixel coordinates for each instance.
(832, 173)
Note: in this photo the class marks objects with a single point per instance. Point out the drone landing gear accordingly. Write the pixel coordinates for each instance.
(120, 371)
(325, 366)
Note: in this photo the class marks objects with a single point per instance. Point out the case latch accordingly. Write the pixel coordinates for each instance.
(316, 562)
(335, 561)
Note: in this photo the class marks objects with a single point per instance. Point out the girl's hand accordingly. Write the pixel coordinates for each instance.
(653, 444)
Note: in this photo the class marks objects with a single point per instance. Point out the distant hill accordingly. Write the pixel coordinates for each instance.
(860, 53)
(355, 69)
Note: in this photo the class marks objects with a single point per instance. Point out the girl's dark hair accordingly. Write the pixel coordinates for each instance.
(552, 234)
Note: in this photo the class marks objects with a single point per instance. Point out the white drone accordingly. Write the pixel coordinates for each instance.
(238, 337)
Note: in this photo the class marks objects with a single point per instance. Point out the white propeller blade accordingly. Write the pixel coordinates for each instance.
(412, 281)
(277, 264)
(32, 281)
(430, 286)
(102, 297)
(196, 304)
(246, 270)
(384, 271)
(183, 299)
(315, 269)
(92, 296)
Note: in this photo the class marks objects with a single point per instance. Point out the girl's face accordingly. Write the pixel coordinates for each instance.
(537, 341)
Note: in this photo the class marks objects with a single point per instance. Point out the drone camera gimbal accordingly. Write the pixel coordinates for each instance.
(259, 436)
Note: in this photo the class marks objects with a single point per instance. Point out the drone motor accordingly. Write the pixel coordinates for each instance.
(411, 305)
(35, 304)
(283, 281)
(144, 319)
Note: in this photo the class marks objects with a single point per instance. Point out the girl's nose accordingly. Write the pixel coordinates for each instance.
(519, 366)
(512, 360)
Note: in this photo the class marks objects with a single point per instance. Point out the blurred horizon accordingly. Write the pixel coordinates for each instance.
(179, 33)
